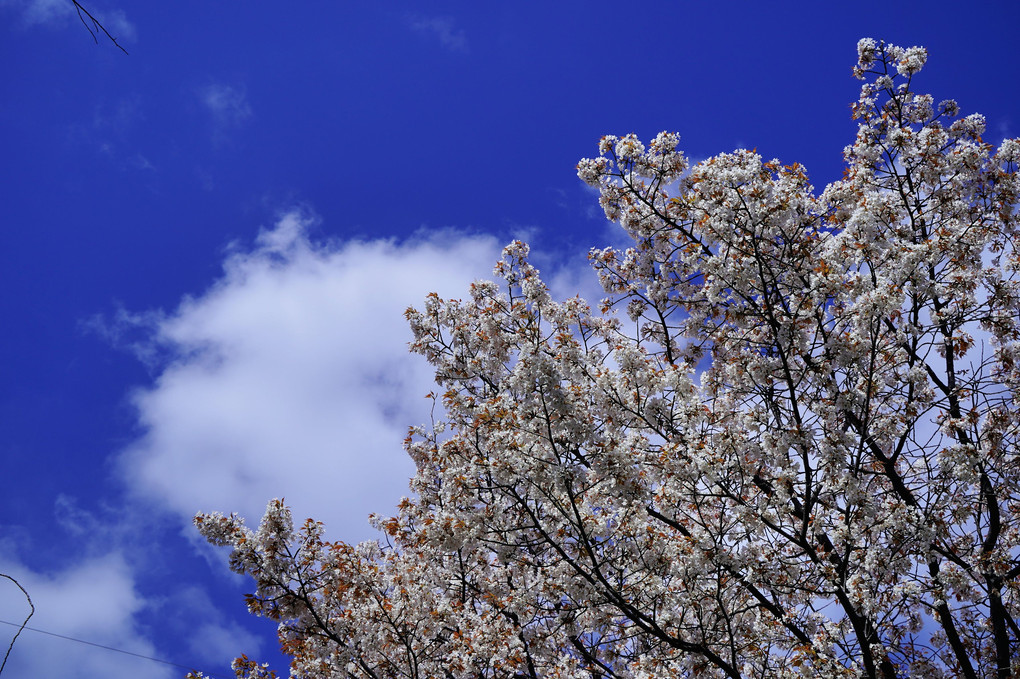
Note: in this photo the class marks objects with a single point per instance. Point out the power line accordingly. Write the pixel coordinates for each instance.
(107, 648)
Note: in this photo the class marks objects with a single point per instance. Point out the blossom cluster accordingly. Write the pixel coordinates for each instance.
(794, 455)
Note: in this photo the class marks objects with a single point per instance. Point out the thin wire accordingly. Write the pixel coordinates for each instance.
(108, 648)
(21, 627)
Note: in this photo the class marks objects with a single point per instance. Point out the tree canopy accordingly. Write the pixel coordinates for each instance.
(784, 445)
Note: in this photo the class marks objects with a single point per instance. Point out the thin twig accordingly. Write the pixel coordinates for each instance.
(95, 24)
(27, 618)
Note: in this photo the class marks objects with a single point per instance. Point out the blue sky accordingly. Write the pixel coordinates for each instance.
(207, 245)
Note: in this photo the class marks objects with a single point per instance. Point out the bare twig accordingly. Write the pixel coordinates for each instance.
(95, 27)
(27, 618)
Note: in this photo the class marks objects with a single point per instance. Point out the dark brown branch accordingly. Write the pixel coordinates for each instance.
(96, 26)
(775, 609)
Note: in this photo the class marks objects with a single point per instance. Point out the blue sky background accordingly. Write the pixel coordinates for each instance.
(206, 248)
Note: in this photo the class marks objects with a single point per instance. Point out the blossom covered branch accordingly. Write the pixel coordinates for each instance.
(794, 452)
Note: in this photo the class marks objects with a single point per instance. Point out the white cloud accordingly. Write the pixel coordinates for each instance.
(227, 104)
(36, 12)
(572, 279)
(290, 377)
(59, 12)
(140, 162)
(95, 601)
(116, 22)
(210, 638)
(443, 29)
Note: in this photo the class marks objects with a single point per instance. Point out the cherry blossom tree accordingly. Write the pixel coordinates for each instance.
(785, 445)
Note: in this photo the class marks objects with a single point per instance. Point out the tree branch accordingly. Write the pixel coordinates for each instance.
(96, 26)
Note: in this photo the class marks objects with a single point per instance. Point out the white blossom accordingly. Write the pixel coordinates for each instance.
(793, 453)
